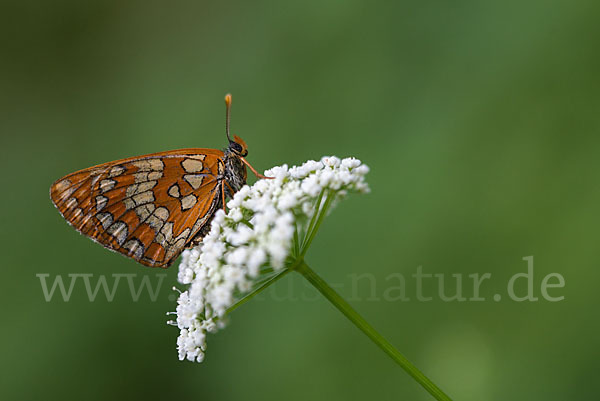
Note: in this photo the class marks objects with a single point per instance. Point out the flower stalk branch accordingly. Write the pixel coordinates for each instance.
(257, 291)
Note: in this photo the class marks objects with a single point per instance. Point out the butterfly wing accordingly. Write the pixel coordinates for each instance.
(148, 207)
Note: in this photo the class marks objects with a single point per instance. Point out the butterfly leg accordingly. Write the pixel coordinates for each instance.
(223, 195)
(256, 173)
(230, 189)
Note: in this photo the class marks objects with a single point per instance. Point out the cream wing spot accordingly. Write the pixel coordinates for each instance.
(66, 193)
(107, 185)
(162, 213)
(184, 234)
(62, 185)
(129, 203)
(144, 211)
(134, 189)
(156, 164)
(187, 202)
(197, 157)
(149, 165)
(154, 222)
(71, 203)
(95, 180)
(135, 247)
(140, 177)
(105, 219)
(144, 197)
(147, 176)
(146, 186)
(116, 171)
(165, 234)
(194, 180)
(119, 231)
(174, 191)
(158, 218)
(174, 249)
(77, 214)
(142, 165)
(166, 239)
(101, 201)
(154, 175)
(192, 165)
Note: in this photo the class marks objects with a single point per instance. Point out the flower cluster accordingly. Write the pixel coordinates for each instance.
(261, 235)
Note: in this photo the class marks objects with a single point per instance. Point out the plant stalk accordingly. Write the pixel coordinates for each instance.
(366, 328)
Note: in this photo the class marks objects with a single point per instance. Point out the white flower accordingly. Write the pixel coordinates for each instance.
(254, 241)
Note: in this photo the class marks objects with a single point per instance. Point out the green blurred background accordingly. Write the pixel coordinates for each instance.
(479, 120)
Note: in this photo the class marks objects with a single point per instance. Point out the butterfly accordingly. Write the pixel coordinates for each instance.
(150, 208)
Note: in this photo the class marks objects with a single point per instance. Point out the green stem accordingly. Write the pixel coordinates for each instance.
(366, 328)
(313, 219)
(315, 227)
(296, 244)
(257, 291)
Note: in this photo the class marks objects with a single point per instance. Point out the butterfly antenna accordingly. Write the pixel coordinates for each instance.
(227, 114)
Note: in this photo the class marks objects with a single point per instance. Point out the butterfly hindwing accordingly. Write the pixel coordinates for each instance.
(148, 207)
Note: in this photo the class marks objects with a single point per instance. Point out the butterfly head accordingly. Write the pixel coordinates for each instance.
(238, 146)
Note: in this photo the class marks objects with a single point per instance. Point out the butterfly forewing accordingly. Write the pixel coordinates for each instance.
(147, 207)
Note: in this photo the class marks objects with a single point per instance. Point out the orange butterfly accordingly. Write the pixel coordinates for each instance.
(151, 207)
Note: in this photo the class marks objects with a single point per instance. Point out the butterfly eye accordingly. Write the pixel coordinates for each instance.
(236, 147)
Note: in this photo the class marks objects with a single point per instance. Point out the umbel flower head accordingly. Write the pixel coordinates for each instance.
(268, 229)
